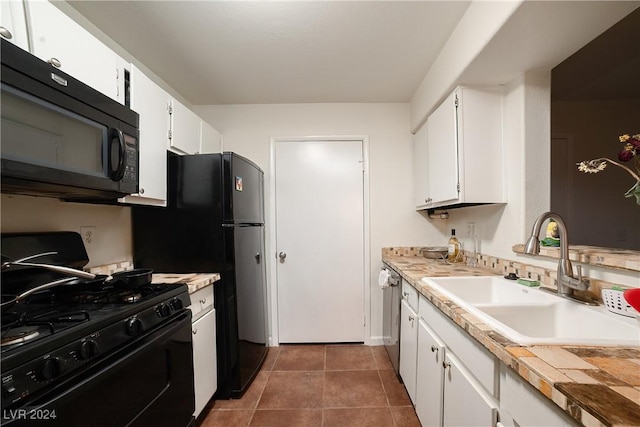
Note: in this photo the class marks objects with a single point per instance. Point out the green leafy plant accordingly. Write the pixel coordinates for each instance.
(630, 153)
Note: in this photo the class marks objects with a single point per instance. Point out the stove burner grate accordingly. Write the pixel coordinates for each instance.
(18, 328)
(20, 334)
(130, 297)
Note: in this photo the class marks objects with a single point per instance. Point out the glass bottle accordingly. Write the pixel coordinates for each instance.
(472, 260)
(454, 247)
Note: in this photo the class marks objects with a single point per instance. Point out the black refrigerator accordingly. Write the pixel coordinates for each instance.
(214, 222)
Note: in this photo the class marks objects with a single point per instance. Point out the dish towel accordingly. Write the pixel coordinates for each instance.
(383, 279)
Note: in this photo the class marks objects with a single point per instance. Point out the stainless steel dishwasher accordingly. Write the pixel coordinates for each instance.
(390, 283)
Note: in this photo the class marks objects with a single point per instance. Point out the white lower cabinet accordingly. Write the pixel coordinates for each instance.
(522, 405)
(409, 338)
(447, 393)
(408, 348)
(454, 381)
(204, 347)
(465, 403)
(430, 376)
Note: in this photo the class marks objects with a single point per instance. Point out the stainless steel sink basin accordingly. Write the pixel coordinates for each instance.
(530, 316)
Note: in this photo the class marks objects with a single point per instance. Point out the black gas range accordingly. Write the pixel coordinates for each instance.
(91, 352)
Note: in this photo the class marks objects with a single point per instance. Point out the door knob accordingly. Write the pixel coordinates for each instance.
(282, 256)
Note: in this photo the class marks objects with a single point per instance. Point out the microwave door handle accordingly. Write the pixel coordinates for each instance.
(117, 162)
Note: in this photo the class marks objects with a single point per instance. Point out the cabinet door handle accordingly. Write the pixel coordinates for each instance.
(5, 33)
(203, 301)
(405, 294)
(55, 62)
(141, 190)
(411, 318)
(434, 349)
(446, 365)
(194, 331)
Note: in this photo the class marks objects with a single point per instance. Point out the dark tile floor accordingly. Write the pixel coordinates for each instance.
(320, 386)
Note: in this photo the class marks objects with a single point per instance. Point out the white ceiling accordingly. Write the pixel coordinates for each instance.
(253, 52)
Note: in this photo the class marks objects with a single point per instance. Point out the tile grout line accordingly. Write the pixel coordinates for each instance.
(324, 381)
(265, 386)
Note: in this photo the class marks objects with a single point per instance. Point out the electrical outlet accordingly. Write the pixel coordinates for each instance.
(88, 234)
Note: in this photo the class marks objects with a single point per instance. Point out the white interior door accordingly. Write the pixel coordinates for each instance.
(319, 203)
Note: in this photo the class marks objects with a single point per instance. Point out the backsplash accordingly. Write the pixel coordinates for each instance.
(546, 277)
(109, 269)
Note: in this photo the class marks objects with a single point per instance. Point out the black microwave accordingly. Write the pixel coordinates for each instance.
(60, 137)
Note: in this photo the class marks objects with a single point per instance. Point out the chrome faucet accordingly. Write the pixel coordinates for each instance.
(567, 282)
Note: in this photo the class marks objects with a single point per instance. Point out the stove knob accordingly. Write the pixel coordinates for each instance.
(163, 310)
(176, 304)
(50, 369)
(134, 326)
(88, 349)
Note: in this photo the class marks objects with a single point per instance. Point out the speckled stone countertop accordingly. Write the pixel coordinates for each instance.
(195, 281)
(596, 386)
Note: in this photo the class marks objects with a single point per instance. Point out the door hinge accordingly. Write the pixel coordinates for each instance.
(170, 134)
(170, 107)
(456, 101)
(365, 321)
(458, 187)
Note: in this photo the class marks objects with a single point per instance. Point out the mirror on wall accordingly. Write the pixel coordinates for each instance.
(595, 97)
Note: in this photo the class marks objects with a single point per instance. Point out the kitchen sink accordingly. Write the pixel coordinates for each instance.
(529, 316)
(488, 290)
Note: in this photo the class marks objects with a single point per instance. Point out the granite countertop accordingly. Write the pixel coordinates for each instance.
(195, 281)
(596, 386)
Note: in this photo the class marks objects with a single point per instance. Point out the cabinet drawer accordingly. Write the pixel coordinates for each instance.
(476, 358)
(410, 294)
(201, 302)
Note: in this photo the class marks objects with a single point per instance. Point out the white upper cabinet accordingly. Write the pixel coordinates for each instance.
(184, 134)
(210, 139)
(13, 26)
(150, 101)
(464, 159)
(420, 171)
(443, 173)
(59, 40)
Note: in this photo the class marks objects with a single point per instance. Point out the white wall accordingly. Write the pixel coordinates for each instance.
(247, 130)
(35, 214)
(478, 26)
